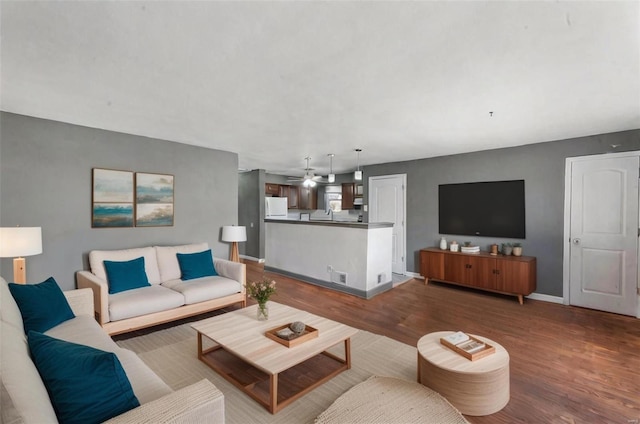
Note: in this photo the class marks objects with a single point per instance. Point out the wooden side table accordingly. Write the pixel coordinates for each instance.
(476, 388)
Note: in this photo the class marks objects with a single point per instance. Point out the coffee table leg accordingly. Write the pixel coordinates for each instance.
(199, 345)
(273, 407)
(347, 352)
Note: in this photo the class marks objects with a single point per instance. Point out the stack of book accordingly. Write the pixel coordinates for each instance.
(470, 249)
(462, 341)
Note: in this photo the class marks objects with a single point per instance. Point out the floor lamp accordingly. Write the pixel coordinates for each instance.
(234, 234)
(16, 242)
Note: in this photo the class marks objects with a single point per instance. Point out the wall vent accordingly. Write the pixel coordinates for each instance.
(340, 277)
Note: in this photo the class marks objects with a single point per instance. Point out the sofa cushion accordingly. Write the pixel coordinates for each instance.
(168, 260)
(143, 301)
(9, 311)
(97, 258)
(196, 265)
(126, 275)
(86, 385)
(9, 414)
(21, 379)
(205, 288)
(147, 386)
(42, 305)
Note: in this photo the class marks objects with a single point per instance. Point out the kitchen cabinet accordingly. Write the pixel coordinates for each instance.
(514, 275)
(351, 192)
(272, 189)
(291, 193)
(308, 198)
(348, 194)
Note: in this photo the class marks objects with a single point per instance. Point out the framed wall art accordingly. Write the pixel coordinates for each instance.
(112, 198)
(154, 200)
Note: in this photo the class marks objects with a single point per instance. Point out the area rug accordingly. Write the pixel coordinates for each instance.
(171, 353)
(390, 400)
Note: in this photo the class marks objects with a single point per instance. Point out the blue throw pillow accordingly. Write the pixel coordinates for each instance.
(42, 306)
(85, 385)
(196, 265)
(127, 275)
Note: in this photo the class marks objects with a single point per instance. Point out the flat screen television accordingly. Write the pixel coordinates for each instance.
(486, 209)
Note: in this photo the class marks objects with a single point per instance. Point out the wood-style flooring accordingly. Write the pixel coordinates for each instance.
(568, 364)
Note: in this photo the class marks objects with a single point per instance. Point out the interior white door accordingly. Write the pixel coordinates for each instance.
(387, 204)
(604, 234)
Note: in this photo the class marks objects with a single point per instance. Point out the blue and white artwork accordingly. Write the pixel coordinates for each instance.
(112, 198)
(154, 200)
(112, 215)
(154, 214)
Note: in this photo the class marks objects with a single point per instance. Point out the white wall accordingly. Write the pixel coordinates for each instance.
(309, 249)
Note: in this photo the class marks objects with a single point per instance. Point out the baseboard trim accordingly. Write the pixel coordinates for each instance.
(546, 298)
(251, 258)
(413, 274)
(333, 286)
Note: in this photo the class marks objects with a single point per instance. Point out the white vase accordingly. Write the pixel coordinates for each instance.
(443, 243)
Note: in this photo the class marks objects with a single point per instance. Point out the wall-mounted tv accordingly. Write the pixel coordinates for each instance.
(486, 209)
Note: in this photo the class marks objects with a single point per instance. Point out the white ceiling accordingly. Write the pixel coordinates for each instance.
(279, 81)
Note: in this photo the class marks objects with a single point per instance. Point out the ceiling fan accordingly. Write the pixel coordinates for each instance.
(309, 179)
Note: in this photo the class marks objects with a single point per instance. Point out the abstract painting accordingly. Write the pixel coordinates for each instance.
(112, 198)
(154, 200)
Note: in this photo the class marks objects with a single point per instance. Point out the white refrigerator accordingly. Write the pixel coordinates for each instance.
(275, 207)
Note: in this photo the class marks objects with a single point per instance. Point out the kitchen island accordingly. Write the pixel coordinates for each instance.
(351, 257)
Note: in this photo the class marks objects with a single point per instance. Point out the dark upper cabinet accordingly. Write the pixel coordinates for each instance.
(348, 194)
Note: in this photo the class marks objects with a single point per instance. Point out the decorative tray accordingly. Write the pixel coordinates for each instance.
(308, 334)
(472, 356)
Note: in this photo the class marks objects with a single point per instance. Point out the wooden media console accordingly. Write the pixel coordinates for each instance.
(513, 275)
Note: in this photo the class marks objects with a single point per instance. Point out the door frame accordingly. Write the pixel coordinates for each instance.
(404, 211)
(566, 240)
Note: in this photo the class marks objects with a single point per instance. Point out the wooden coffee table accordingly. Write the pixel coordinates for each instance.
(476, 388)
(274, 375)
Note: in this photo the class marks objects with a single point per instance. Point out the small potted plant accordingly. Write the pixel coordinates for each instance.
(517, 249)
(507, 249)
(260, 291)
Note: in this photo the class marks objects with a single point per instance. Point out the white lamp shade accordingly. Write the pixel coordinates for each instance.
(20, 241)
(332, 178)
(357, 175)
(234, 233)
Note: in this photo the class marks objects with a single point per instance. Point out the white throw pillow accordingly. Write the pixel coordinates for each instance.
(97, 258)
(168, 260)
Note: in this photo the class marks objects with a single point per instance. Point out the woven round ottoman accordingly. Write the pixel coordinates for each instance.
(476, 388)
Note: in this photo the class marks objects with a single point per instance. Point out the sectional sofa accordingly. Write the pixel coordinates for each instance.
(167, 297)
(25, 396)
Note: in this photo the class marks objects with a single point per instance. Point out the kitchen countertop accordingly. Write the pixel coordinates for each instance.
(347, 224)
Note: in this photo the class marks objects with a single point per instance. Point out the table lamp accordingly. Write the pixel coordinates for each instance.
(234, 234)
(16, 242)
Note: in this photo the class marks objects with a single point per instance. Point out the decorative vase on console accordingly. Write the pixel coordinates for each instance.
(443, 243)
(260, 291)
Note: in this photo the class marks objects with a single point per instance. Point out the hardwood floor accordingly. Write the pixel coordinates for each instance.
(568, 364)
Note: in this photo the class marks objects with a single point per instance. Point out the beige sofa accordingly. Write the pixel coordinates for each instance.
(24, 398)
(168, 298)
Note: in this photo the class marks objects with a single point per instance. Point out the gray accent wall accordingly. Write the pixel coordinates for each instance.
(542, 166)
(45, 180)
(251, 211)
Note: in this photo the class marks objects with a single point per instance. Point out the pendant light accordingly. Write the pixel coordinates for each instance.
(308, 176)
(331, 177)
(358, 174)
